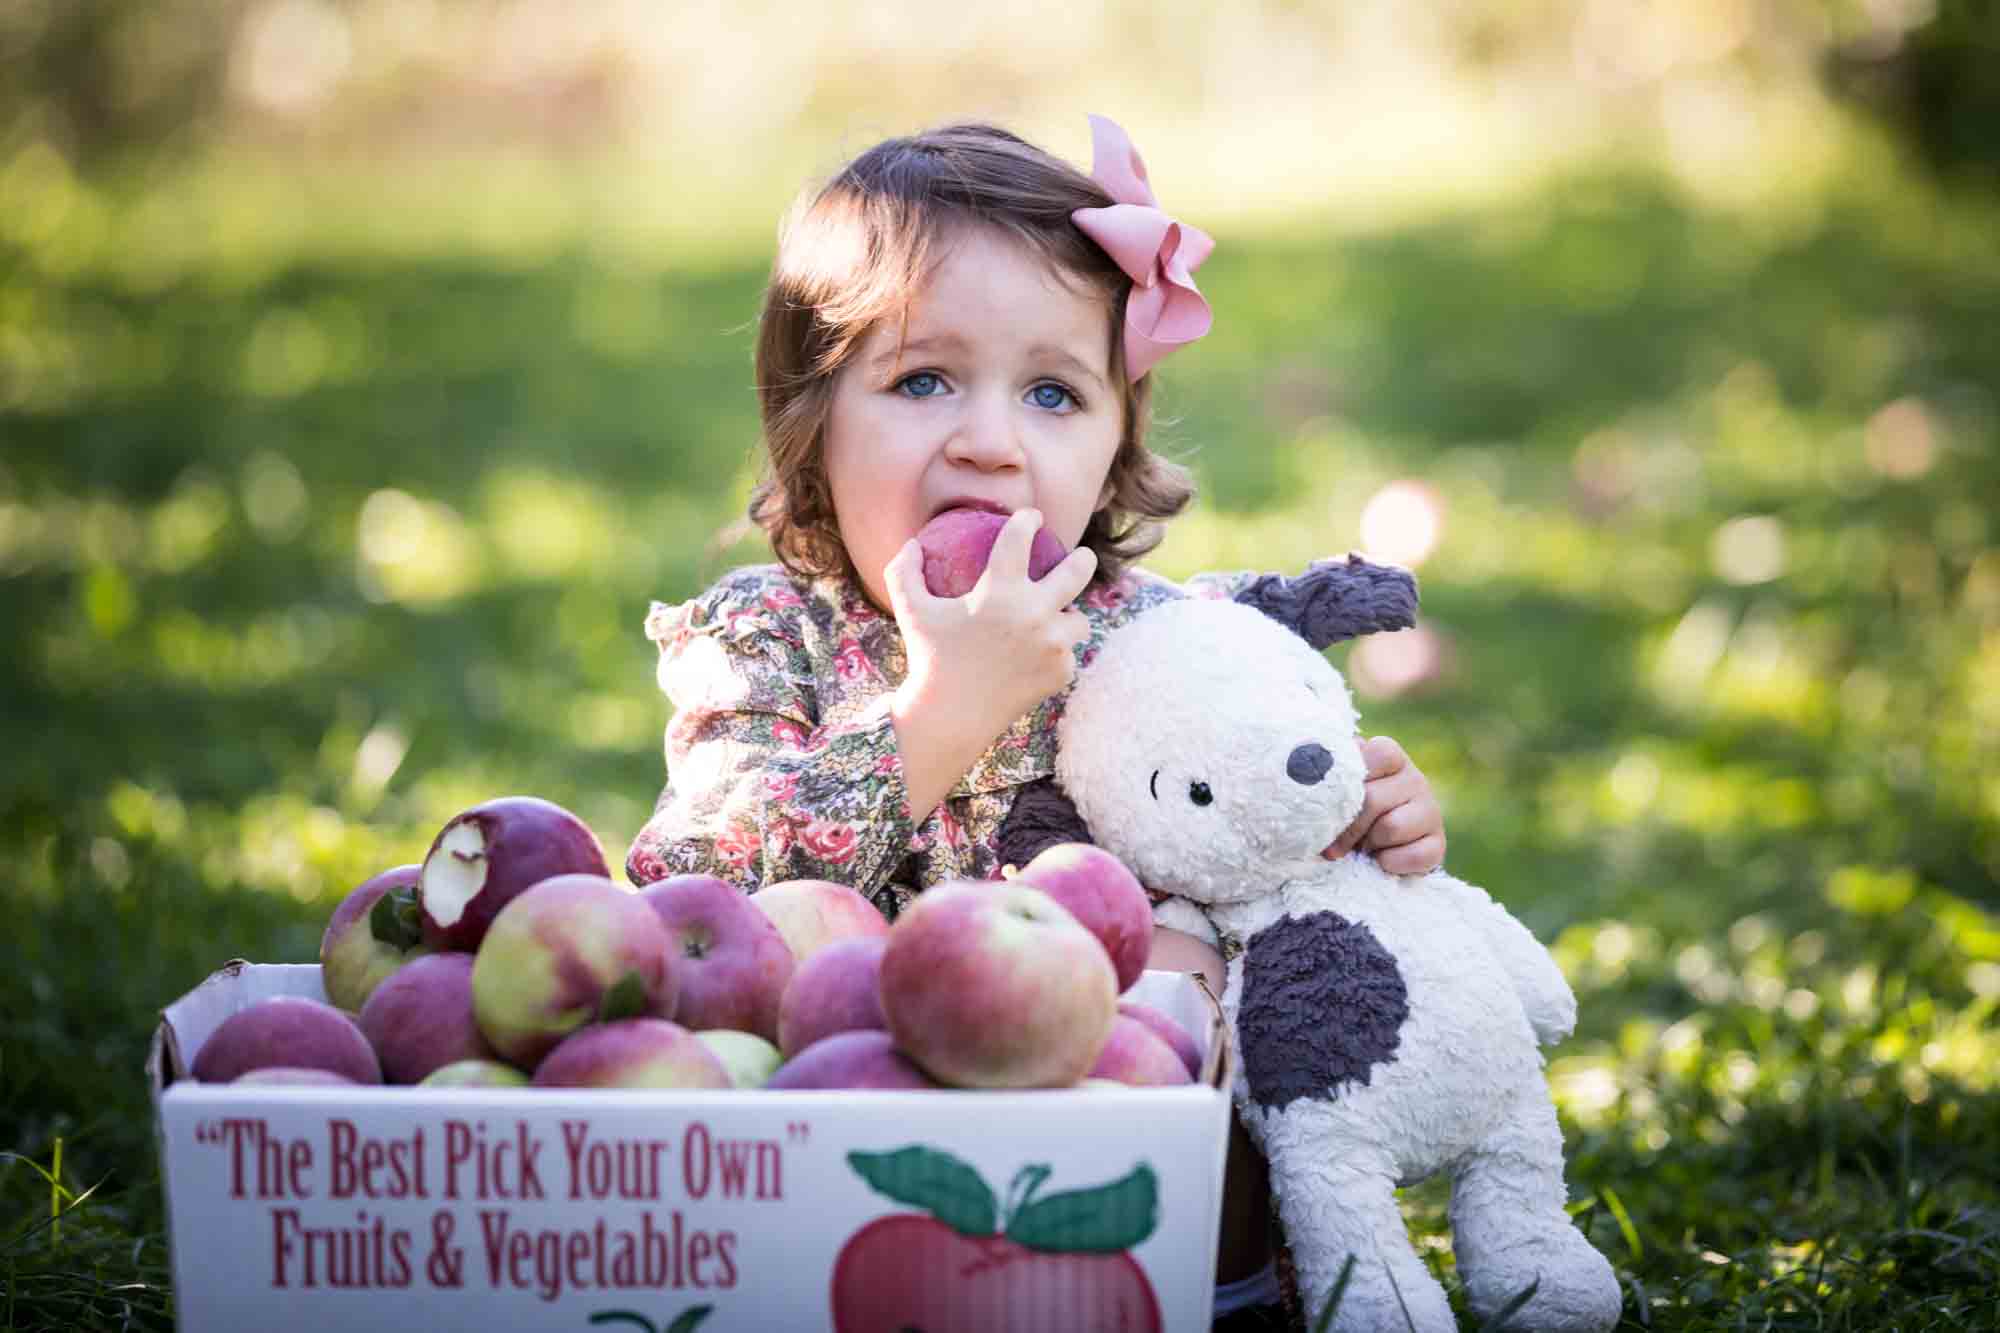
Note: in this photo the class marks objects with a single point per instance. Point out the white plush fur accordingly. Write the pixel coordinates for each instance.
(1218, 694)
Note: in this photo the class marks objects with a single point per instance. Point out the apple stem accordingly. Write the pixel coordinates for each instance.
(1022, 1188)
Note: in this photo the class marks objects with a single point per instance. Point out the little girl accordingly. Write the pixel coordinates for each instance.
(956, 319)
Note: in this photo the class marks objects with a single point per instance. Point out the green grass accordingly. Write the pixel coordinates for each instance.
(300, 558)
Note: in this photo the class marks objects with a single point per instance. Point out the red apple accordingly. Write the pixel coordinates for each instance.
(748, 1058)
(732, 962)
(958, 543)
(996, 985)
(974, 1263)
(1135, 1054)
(421, 1018)
(475, 1074)
(632, 1053)
(851, 1060)
(1168, 1030)
(375, 930)
(286, 1031)
(291, 1076)
(813, 913)
(572, 950)
(485, 857)
(1100, 892)
(838, 989)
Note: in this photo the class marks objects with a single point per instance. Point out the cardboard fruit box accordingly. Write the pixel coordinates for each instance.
(308, 1208)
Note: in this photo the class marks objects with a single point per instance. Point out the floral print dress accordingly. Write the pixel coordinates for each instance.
(781, 755)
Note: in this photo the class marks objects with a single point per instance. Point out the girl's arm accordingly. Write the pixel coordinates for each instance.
(979, 661)
(760, 787)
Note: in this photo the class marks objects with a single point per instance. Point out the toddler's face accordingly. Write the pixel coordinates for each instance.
(999, 395)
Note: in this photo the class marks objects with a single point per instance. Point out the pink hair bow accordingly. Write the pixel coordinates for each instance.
(1159, 254)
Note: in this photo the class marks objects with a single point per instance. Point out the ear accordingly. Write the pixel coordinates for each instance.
(1042, 817)
(1336, 600)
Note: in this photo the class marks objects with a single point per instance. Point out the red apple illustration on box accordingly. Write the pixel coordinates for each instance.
(964, 1266)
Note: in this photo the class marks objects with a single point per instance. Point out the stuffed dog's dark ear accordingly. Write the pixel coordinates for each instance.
(1042, 817)
(1336, 600)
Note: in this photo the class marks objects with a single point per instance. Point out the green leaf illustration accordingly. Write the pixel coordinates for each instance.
(935, 1181)
(689, 1319)
(1101, 1220)
(623, 1317)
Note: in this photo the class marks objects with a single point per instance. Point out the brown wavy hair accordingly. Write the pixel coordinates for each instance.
(853, 252)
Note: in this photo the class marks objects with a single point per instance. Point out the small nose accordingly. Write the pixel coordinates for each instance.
(985, 438)
(1308, 764)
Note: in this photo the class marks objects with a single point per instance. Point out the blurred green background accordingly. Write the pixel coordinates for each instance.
(365, 368)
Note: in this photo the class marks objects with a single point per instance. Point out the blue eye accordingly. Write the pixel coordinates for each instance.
(1051, 396)
(923, 384)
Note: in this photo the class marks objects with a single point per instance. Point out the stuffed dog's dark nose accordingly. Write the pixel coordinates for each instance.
(1308, 764)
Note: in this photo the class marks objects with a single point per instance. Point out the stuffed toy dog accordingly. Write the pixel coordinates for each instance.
(1389, 1026)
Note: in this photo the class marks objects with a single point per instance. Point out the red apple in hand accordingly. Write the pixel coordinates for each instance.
(813, 913)
(485, 857)
(1101, 893)
(375, 930)
(996, 985)
(958, 543)
(733, 963)
(572, 950)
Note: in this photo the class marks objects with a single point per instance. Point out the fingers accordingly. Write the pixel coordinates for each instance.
(1383, 756)
(904, 576)
(1416, 858)
(1068, 579)
(1009, 558)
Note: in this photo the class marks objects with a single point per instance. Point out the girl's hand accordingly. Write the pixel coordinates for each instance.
(1400, 821)
(979, 661)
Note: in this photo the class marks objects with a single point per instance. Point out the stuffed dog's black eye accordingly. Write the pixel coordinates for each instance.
(1199, 793)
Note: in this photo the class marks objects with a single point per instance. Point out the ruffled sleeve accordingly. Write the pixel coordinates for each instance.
(762, 785)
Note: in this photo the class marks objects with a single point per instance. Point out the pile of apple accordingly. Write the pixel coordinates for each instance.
(510, 957)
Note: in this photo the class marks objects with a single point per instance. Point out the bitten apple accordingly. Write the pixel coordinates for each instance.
(1135, 1054)
(851, 1060)
(732, 962)
(286, 1031)
(482, 859)
(958, 543)
(813, 913)
(632, 1053)
(996, 985)
(838, 989)
(375, 930)
(421, 1018)
(571, 950)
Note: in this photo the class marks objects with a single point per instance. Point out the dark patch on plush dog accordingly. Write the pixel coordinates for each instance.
(1323, 1004)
